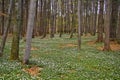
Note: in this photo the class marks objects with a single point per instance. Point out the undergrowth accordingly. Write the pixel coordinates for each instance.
(61, 60)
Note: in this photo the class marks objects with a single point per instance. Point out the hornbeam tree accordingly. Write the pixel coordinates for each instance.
(30, 26)
(16, 33)
(79, 26)
(100, 22)
(107, 26)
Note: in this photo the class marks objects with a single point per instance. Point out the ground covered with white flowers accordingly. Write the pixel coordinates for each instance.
(59, 59)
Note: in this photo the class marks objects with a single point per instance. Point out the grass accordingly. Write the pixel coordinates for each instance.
(63, 62)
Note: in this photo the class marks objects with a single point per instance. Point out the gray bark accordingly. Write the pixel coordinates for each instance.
(30, 26)
(107, 26)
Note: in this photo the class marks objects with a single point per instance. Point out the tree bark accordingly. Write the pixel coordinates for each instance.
(6, 27)
(3, 18)
(107, 26)
(79, 26)
(30, 26)
(118, 29)
(16, 33)
(114, 18)
(100, 22)
(52, 22)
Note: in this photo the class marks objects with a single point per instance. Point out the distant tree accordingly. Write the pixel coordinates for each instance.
(79, 26)
(52, 20)
(114, 19)
(118, 28)
(94, 16)
(73, 16)
(100, 22)
(44, 18)
(30, 26)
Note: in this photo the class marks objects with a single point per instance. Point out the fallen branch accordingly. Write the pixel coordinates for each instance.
(3, 14)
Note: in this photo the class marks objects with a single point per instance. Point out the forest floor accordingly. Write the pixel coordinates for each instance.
(59, 59)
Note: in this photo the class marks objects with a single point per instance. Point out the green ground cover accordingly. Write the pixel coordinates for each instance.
(60, 60)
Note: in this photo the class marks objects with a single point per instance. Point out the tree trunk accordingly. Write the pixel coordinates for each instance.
(107, 26)
(6, 27)
(3, 18)
(52, 22)
(44, 19)
(79, 26)
(30, 26)
(95, 18)
(100, 22)
(118, 29)
(114, 18)
(16, 34)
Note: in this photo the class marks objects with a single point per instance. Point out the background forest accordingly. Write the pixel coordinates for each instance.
(67, 39)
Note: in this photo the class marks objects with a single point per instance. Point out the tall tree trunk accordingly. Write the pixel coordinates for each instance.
(52, 22)
(61, 17)
(95, 17)
(73, 19)
(100, 22)
(118, 28)
(16, 34)
(44, 14)
(79, 26)
(3, 11)
(30, 26)
(35, 26)
(114, 18)
(6, 27)
(86, 18)
(41, 18)
(107, 26)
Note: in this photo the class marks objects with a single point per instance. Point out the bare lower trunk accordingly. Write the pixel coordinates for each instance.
(114, 18)
(107, 26)
(29, 30)
(3, 18)
(16, 34)
(79, 26)
(6, 27)
(100, 22)
(118, 29)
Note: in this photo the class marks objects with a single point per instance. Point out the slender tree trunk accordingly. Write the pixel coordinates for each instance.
(16, 34)
(61, 18)
(107, 26)
(118, 28)
(73, 20)
(61, 26)
(41, 18)
(100, 22)
(35, 26)
(6, 27)
(44, 19)
(114, 18)
(79, 26)
(3, 18)
(52, 26)
(30, 26)
(95, 18)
